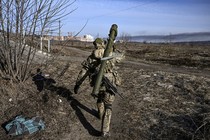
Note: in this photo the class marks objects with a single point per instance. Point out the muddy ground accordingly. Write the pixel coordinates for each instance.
(166, 89)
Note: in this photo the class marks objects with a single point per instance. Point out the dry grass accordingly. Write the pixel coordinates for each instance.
(159, 104)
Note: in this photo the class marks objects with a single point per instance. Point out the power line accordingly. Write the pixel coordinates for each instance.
(118, 11)
(112, 13)
(122, 10)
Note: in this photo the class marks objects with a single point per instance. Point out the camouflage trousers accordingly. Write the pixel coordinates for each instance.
(104, 105)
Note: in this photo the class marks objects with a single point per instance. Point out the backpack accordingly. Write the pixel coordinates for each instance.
(20, 125)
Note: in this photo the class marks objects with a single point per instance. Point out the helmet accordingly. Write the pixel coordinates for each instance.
(99, 43)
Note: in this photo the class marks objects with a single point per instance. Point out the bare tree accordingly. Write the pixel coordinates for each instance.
(125, 38)
(21, 22)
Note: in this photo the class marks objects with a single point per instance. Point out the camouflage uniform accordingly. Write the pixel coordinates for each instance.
(105, 98)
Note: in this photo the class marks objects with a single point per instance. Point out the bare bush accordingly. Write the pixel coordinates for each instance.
(125, 38)
(22, 23)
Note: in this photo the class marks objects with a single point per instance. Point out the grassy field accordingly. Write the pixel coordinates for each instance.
(166, 89)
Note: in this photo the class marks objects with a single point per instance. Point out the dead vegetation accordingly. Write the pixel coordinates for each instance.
(186, 54)
(159, 104)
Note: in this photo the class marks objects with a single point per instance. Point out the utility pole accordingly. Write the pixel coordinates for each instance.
(59, 32)
(41, 42)
(48, 50)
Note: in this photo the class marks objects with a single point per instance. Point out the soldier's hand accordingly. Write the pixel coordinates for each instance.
(76, 88)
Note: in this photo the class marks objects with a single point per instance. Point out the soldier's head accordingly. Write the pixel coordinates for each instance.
(99, 43)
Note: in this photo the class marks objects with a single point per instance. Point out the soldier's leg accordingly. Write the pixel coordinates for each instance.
(106, 120)
(108, 100)
(81, 74)
(100, 105)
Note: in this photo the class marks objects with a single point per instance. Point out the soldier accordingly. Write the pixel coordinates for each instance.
(105, 97)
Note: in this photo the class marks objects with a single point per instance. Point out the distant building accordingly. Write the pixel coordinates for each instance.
(87, 38)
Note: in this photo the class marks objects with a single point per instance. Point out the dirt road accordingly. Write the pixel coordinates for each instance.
(82, 55)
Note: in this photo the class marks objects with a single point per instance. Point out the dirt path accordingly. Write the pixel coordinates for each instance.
(140, 64)
(166, 68)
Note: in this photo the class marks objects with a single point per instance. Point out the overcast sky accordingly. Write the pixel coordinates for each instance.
(138, 17)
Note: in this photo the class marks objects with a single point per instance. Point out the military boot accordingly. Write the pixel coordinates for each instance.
(105, 134)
